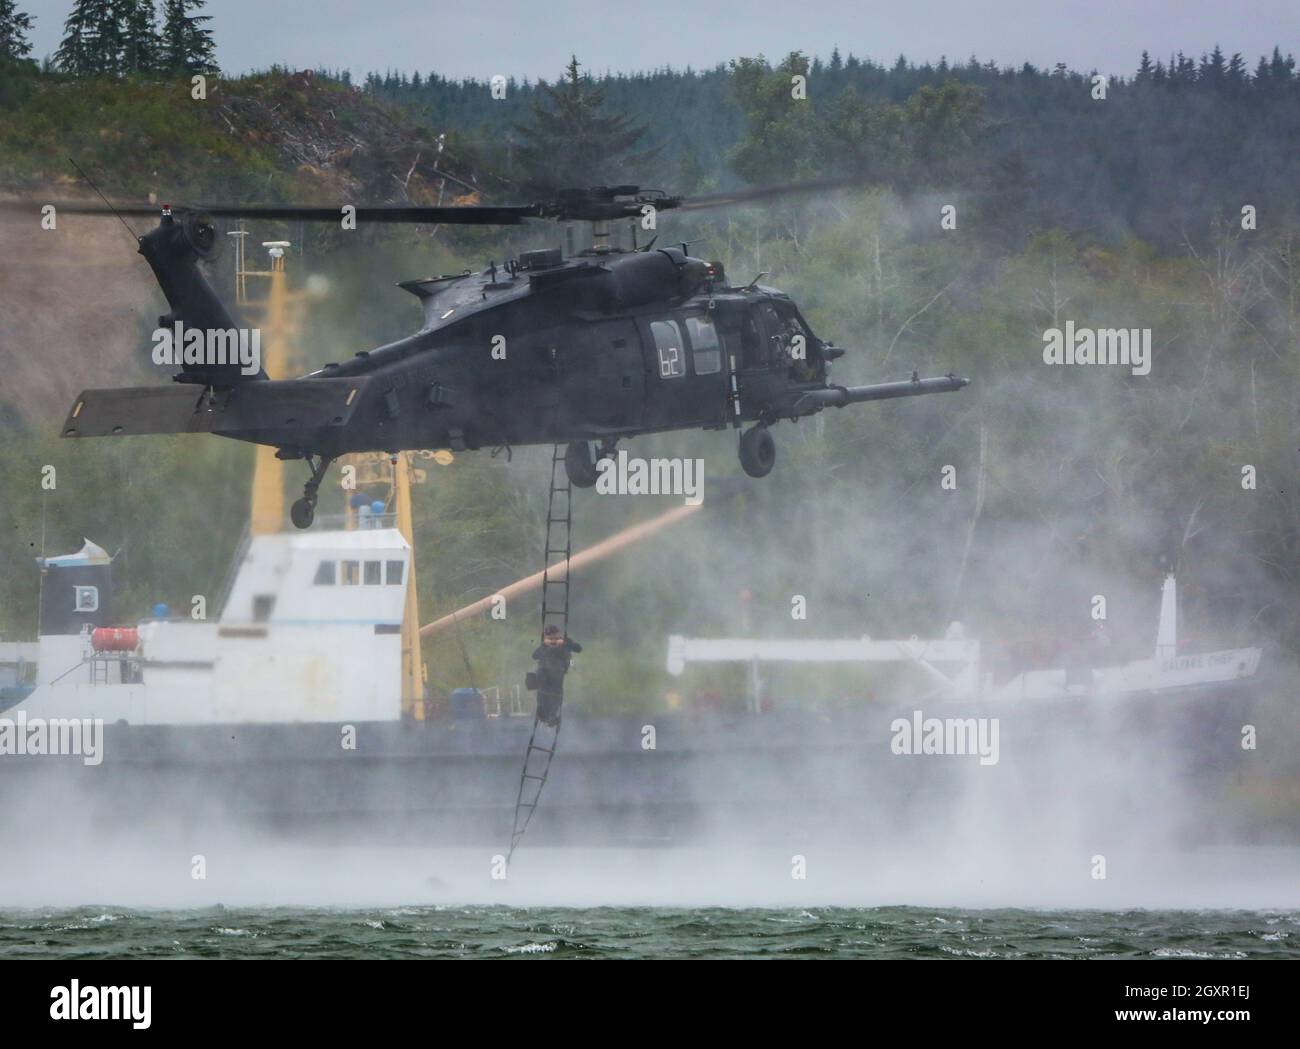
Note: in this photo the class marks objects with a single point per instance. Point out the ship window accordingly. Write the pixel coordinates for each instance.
(704, 345)
(394, 576)
(325, 574)
(372, 573)
(351, 573)
(668, 342)
(262, 606)
(87, 598)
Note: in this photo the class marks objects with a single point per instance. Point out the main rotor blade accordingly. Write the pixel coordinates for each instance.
(757, 193)
(599, 203)
(466, 215)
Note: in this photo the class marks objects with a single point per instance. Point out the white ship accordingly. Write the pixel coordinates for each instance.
(955, 669)
(310, 632)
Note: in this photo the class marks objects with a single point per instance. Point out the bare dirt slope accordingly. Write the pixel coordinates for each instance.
(74, 302)
(77, 303)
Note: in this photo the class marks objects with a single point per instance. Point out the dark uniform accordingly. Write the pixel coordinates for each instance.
(552, 664)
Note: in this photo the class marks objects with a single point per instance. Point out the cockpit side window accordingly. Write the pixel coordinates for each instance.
(778, 334)
(752, 351)
(793, 323)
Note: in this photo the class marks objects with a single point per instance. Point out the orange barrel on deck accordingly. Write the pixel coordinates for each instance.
(114, 639)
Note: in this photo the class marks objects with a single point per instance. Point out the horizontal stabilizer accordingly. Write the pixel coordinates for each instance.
(283, 407)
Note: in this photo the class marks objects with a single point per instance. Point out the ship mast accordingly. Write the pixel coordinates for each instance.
(279, 316)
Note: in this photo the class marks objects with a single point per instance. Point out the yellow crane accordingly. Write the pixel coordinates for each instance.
(280, 316)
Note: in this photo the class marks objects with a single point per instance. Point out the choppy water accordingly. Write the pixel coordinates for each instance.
(645, 932)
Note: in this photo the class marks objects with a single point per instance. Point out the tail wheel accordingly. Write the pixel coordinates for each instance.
(757, 451)
(302, 513)
(579, 465)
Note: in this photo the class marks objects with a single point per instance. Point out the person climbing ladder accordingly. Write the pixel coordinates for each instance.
(553, 656)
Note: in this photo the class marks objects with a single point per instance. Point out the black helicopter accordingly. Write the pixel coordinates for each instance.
(604, 345)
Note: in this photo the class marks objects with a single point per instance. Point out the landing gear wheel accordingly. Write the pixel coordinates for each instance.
(579, 466)
(302, 513)
(757, 451)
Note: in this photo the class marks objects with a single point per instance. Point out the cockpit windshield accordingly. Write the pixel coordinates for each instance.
(792, 341)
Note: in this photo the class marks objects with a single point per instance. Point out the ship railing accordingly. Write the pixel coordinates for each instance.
(351, 522)
(503, 705)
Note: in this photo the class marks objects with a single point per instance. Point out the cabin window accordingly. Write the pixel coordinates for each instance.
(704, 345)
(87, 598)
(325, 574)
(668, 342)
(372, 573)
(351, 573)
(262, 607)
(394, 573)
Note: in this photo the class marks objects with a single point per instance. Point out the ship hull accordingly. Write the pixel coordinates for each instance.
(674, 778)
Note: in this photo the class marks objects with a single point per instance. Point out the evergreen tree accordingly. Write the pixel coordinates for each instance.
(108, 37)
(73, 55)
(570, 143)
(781, 143)
(92, 40)
(1280, 69)
(1145, 71)
(141, 45)
(1236, 69)
(188, 46)
(14, 26)
(1213, 69)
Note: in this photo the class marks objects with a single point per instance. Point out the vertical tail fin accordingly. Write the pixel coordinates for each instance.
(173, 250)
